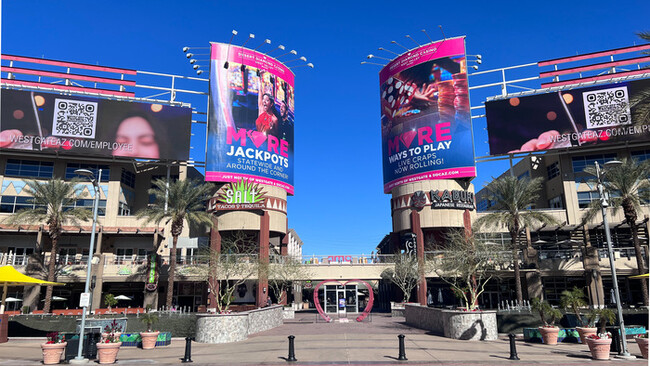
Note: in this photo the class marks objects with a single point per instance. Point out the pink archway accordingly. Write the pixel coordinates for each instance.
(366, 311)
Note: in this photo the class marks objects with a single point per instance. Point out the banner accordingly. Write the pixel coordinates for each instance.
(425, 115)
(251, 118)
(79, 125)
(596, 115)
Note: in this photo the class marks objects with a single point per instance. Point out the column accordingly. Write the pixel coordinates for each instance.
(262, 281)
(533, 278)
(215, 247)
(419, 238)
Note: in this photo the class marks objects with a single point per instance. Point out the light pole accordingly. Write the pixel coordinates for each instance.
(95, 181)
(603, 205)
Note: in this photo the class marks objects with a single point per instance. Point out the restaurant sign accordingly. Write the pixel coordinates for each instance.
(447, 199)
(240, 195)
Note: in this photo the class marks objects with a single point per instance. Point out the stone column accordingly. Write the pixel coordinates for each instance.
(532, 274)
(593, 277)
(262, 281)
(98, 272)
(419, 238)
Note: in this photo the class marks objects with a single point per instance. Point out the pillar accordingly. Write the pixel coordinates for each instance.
(416, 228)
(215, 247)
(532, 275)
(593, 277)
(262, 280)
(98, 273)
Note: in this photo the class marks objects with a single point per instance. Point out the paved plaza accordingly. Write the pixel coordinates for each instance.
(318, 343)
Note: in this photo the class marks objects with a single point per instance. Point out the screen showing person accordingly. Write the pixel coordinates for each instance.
(267, 121)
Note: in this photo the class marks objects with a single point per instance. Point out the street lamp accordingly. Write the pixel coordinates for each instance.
(603, 205)
(86, 295)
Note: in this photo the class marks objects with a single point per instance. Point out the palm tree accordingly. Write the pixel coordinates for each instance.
(574, 299)
(186, 202)
(629, 185)
(513, 199)
(53, 205)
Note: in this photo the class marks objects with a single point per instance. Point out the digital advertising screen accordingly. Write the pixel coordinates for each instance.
(78, 125)
(570, 118)
(426, 126)
(251, 118)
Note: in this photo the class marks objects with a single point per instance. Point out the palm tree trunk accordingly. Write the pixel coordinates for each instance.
(515, 261)
(639, 261)
(51, 275)
(172, 272)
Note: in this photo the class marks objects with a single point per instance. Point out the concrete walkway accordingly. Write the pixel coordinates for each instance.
(318, 343)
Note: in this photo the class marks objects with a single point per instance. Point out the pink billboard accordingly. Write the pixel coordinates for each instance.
(425, 115)
(251, 118)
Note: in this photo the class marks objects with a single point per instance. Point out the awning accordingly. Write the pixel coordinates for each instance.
(645, 275)
(10, 277)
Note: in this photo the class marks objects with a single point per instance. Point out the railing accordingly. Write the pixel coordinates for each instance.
(564, 254)
(627, 253)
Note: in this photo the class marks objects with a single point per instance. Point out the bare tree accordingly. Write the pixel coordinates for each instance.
(282, 272)
(468, 264)
(230, 267)
(405, 274)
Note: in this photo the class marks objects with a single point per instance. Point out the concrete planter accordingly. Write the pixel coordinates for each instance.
(226, 328)
(467, 325)
(107, 352)
(643, 346)
(599, 348)
(149, 339)
(52, 352)
(584, 332)
(549, 335)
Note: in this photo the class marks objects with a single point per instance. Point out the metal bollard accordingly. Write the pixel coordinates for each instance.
(188, 350)
(292, 353)
(513, 347)
(402, 352)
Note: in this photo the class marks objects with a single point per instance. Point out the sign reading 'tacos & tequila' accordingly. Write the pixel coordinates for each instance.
(240, 195)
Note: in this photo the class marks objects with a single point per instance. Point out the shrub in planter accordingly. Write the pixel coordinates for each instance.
(549, 316)
(599, 345)
(113, 328)
(149, 337)
(108, 348)
(642, 341)
(575, 299)
(53, 348)
(110, 301)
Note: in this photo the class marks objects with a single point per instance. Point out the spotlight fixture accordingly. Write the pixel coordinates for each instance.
(192, 61)
(400, 45)
(185, 49)
(199, 72)
(373, 56)
(383, 49)
(189, 55)
(196, 67)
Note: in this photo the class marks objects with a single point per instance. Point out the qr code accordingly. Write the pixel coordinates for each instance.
(607, 107)
(74, 118)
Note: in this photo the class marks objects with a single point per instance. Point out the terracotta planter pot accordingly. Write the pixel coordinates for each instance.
(107, 352)
(599, 348)
(549, 335)
(52, 352)
(584, 332)
(149, 339)
(643, 346)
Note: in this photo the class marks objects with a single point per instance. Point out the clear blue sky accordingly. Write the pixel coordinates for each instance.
(339, 206)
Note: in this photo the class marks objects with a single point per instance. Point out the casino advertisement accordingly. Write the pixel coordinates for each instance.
(571, 118)
(79, 125)
(251, 118)
(425, 115)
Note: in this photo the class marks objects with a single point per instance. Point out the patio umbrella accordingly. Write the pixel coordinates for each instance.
(645, 275)
(13, 299)
(10, 277)
(123, 297)
(57, 298)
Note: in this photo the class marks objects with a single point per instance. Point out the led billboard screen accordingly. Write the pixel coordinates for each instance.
(425, 115)
(251, 118)
(590, 116)
(79, 125)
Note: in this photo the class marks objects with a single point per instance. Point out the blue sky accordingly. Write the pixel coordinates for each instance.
(339, 206)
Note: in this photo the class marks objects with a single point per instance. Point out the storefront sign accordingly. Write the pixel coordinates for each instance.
(241, 195)
(454, 199)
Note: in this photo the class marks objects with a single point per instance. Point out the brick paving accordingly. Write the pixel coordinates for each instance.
(373, 342)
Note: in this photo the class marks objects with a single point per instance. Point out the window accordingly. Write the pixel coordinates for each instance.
(123, 255)
(29, 168)
(67, 256)
(641, 155)
(89, 204)
(71, 167)
(555, 202)
(553, 170)
(11, 204)
(124, 209)
(584, 198)
(524, 175)
(128, 178)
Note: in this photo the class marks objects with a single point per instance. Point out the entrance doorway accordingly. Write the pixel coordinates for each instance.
(332, 294)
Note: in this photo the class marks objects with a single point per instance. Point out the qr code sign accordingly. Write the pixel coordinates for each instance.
(74, 118)
(607, 107)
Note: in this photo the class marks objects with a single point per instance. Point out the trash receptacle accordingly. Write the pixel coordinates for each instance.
(91, 338)
(616, 339)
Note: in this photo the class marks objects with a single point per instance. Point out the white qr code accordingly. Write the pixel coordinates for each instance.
(74, 118)
(607, 107)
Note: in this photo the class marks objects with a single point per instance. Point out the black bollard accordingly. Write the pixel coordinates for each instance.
(513, 347)
(402, 352)
(292, 353)
(188, 350)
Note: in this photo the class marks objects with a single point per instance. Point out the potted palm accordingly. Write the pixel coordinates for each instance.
(108, 348)
(548, 331)
(149, 337)
(600, 344)
(575, 299)
(642, 341)
(53, 348)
